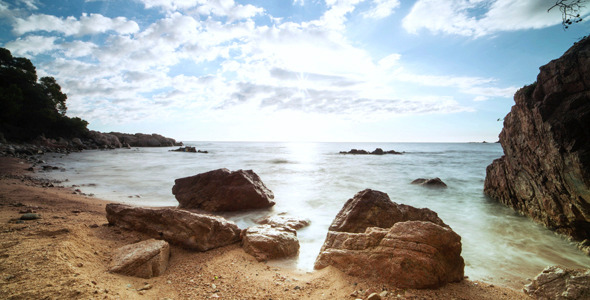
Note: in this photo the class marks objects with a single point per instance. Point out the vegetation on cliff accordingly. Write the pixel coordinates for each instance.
(30, 107)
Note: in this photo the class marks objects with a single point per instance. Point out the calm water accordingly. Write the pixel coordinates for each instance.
(313, 181)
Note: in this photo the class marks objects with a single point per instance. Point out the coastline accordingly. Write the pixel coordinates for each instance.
(65, 254)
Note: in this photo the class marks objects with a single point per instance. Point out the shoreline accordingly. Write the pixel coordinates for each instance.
(65, 254)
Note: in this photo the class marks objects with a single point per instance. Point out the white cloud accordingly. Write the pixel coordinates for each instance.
(32, 45)
(478, 18)
(87, 24)
(382, 9)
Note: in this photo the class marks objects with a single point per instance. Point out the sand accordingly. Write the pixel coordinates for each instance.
(65, 255)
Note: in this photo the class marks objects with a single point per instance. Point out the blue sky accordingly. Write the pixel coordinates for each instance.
(290, 70)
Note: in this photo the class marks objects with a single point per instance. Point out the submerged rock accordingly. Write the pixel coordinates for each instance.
(191, 230)
(560, 283)
(377, 151)
(266, 242)
(223, 190)
(434, 182)
(545, 170)
(145, 259)
(283, 220)
(407, 247)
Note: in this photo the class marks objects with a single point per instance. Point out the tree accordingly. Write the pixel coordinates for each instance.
(29, 108)
(570, 11)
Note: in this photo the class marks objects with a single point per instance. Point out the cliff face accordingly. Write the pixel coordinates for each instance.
(545, 170)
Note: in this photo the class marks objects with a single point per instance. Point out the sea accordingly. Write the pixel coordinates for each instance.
(313, 181)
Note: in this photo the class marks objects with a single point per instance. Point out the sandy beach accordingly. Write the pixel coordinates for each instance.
(65, 255)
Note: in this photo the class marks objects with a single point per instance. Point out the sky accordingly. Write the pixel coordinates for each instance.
(290, 70)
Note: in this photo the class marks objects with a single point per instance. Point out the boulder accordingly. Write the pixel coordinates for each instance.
(145, 259)
(373, 237)
(222, 190)
(266, 242)
(283, 220)
(560, 283)
(545, 170)
(191, 230)
(434, 182)
(411, 254)
(377, 151)
(370, 208)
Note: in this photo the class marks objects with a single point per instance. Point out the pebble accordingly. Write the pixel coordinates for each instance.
(374, 296)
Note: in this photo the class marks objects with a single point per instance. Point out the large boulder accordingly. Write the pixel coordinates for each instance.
(545, 170)
(191, 230)
(370, 208)
(222, 190)
(407, 247)
(559, 283)
(433, 182)
(145, 259)
(266, 242)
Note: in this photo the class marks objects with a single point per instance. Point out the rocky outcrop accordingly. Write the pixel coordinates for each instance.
(407, 247)
(377, 151)
(191, 230)
(285, 221)
(433, 182)
(145, 140)
(222, 190)
(266, 242)
(145, 259)
(559, 283)
(545, 170)
(188, 149)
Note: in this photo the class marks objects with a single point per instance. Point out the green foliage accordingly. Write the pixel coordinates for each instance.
(29, 108)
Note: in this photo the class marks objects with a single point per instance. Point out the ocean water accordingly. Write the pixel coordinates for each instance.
(313, 181)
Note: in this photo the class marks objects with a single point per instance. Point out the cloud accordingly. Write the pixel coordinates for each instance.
(88, 24)
(32, 45)
(381, 9)
(222, 8)
(478, 18)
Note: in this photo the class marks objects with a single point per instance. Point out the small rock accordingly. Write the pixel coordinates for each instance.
(374, 296)
(146, 287)
(30, 216)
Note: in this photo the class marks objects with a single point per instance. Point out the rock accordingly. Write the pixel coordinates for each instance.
(283, 220)
(191, 230)
(145, 259)
(222, 190)
(266, 242)
(545, 170)
(188, 149)
(404, 246)
(145, 140)
(377, 151)
(370, 208)
(434, 182)
(411, 254)
(30, 216)
(374, 296)
(559, 283)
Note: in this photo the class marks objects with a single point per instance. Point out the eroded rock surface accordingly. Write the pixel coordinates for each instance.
(284, 220)
(373, 237)
(145, 259)
(266, 242)
(560, 283)
(545, 170)
(191, 230)
(433, 182)
(223, 190)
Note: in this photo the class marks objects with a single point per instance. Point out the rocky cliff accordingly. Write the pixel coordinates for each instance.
(545, 170)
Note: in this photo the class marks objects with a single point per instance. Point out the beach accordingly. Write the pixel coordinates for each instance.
(66, 253)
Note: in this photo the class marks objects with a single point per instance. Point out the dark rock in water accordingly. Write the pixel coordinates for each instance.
(377, 151)
(560, 283)
(266, 242)
(223, 190)
(188, 149)
(407, 247)
(30, 216)
(145, 259)
(191, 230)
(545, 170)
(434, 182)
